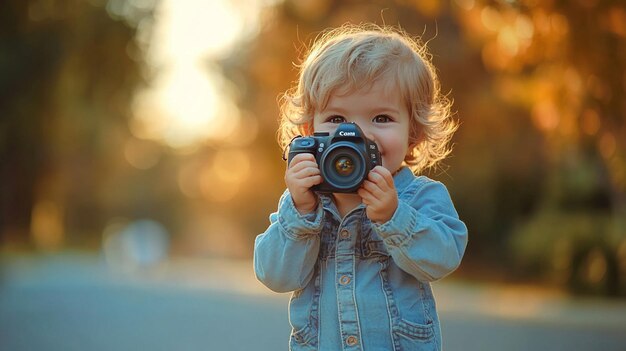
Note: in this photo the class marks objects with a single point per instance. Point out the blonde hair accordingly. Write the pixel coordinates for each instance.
(352, 56)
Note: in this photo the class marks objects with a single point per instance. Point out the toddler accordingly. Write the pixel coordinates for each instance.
(360, 264)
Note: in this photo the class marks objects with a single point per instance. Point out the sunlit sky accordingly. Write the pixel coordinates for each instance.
(188, 101)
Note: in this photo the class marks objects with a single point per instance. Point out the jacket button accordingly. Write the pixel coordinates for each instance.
(352, 340)
(345, 234)
(344, 280)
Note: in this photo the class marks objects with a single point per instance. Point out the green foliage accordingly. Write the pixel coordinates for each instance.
(583, 250)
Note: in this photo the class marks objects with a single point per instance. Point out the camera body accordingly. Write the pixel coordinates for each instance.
(344, 158)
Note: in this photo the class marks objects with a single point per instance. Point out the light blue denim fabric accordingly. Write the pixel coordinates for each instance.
(359, 285)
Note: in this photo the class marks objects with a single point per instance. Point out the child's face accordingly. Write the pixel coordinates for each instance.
(379, 112)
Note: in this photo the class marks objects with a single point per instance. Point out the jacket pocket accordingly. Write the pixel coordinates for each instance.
(414, 336)
(374, 249)
(303, 339)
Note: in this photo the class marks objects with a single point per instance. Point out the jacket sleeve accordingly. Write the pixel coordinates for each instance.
(285, 254)
(425, 236)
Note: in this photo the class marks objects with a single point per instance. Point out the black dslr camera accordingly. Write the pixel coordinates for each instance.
(344, 159)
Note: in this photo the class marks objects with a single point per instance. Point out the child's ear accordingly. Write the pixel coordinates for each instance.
(410, 152)
(416, 136)
(414, 141)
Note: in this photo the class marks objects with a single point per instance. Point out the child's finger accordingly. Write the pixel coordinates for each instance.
(385, 175)
(300, 158)
(373, 189)
(301, 164)
(366, 196)
(304, 185)
(303, 156)
(306, 172)
(379, 180)
(311, 181)
(294, 168)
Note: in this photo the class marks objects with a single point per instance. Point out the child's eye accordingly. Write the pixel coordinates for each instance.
(382, 119)
(335, 119)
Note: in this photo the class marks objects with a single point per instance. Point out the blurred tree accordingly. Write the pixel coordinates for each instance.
(538, 87)
(563, 64)
(68, 70)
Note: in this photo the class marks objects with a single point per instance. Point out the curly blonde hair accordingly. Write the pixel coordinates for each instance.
(352, 56)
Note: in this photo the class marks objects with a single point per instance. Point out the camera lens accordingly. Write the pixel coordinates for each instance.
(344, 166)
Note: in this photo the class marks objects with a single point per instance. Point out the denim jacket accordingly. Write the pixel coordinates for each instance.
(359, 285)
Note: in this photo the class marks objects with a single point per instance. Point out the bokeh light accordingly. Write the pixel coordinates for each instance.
(188, 101)
(139, 137)
(140, 244)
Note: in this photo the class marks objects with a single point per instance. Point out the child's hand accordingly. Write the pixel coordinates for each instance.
(379, 195)
(301, 175)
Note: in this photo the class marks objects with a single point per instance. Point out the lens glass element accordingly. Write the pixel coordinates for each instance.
(344, 166)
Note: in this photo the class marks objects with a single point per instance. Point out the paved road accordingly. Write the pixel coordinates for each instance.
(75, 302)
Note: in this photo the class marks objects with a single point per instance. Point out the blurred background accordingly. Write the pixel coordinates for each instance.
(139, 157)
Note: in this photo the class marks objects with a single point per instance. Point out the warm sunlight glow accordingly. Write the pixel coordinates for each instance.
(141, 154)
(491, 18)
(465, 4)
(545, 116)
(46, 226)
(192, 29)
(220, 180)
(188, 101)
